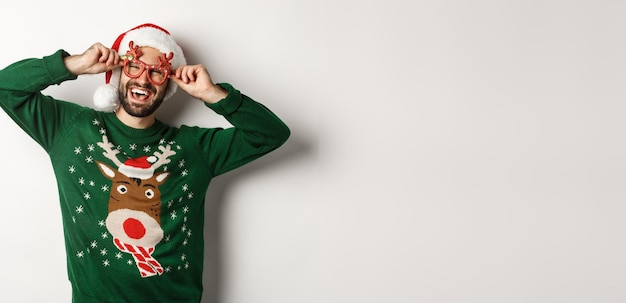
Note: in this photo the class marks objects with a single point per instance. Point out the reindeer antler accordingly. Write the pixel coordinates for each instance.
(109, 151)
(133, 51)
(165, 59)
(162, 157)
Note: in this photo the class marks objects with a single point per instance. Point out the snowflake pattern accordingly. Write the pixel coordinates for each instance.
(104, 249)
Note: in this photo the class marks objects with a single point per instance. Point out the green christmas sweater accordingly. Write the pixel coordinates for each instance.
(132, 200)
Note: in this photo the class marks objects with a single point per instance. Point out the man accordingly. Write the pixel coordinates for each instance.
(131, 188)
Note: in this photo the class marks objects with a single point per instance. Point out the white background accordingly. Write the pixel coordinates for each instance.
(441, 151)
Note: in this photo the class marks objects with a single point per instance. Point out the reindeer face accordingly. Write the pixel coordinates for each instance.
(134, 193)
(134, 207)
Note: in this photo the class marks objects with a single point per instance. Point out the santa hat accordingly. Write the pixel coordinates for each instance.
(106, 96)
(140, 168)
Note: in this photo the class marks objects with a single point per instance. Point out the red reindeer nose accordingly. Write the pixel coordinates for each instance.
(134, 228)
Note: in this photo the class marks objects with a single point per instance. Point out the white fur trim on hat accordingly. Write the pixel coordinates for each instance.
(138, 167)
(106, 96)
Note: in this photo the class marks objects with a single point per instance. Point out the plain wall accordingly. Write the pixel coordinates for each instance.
(441, 151)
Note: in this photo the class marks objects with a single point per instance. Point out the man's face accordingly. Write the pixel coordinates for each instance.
(138, 96)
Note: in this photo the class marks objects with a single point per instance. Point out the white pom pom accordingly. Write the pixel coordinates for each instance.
(105, 98)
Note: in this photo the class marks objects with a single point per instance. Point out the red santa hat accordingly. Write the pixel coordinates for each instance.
(106, 96)
(140, 168)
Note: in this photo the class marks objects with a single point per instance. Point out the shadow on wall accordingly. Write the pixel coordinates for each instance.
(217, 194)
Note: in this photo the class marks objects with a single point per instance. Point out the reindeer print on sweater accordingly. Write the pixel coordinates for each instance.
(131, 229)
(134, 217)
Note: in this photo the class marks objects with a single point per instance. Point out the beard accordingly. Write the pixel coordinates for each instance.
(140, 110)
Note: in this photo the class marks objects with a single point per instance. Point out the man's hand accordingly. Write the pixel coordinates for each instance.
(196, 81)
(97, 59)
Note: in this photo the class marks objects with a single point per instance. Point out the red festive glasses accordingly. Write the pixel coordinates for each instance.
(134, 68)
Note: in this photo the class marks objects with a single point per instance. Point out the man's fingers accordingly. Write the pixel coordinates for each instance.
(188, 73)
(113, 59)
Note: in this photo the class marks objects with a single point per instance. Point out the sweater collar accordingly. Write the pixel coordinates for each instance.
(132, 132)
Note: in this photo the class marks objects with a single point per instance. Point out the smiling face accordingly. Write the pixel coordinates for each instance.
(138, 96)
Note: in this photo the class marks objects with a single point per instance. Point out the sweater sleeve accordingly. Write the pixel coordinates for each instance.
(41, 117)
(256, 131)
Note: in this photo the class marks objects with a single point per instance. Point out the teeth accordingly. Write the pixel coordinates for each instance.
(139, 91)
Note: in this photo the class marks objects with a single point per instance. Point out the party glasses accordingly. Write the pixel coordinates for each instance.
(134, 68)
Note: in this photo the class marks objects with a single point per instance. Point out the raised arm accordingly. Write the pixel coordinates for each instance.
(196, 81)
(41, 116)
(256, 130)
(96, 59)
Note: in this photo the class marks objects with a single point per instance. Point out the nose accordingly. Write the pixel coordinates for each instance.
(134, 228)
